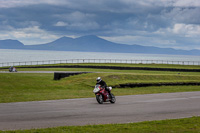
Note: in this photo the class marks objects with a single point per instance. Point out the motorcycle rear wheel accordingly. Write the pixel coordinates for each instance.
(99, 99)
(113, 100)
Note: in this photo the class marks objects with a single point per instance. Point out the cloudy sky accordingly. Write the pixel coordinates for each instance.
(160, 23)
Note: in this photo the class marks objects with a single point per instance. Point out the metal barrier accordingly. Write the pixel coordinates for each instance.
(25, 63)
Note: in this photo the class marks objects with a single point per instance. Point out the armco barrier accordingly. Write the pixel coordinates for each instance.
(132, 85)
(59, 75)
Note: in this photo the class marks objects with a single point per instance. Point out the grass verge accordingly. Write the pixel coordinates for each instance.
(19, 87)
(185, 125)
(116, 65)
(131, 65)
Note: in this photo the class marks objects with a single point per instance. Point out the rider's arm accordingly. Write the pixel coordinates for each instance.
(104, 84)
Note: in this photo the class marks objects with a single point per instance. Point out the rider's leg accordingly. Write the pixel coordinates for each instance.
(109, 92)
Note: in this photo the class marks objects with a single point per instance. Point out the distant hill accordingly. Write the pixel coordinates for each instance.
(11, 44)
(93, 43)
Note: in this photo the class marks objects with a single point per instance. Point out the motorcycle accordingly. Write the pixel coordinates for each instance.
(12, 69)
(102, 95)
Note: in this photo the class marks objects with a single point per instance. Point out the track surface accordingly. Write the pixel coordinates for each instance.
(48, 72)
(133, 108)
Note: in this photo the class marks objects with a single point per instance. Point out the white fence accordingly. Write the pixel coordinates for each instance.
(25, 63)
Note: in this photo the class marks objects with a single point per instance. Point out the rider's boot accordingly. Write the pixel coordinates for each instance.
(110, 95)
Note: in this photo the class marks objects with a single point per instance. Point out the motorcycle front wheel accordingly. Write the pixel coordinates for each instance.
(99, 99)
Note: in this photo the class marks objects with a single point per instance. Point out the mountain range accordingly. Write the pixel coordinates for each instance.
(92, 43)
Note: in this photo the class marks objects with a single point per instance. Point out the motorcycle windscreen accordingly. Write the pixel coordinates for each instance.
(96, 89)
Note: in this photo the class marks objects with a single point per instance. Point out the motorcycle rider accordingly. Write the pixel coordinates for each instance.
(103, 85)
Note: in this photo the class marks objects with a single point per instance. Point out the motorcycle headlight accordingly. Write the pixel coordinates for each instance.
(96, 90)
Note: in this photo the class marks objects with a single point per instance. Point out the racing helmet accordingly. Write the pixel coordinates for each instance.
(99, 79)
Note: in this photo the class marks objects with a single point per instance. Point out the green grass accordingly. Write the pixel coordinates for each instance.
(123, 65)
(18, 87)
(108, 70)
(186, 125)
(131, 65)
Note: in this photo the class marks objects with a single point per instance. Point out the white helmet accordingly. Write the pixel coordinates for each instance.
(98, 79)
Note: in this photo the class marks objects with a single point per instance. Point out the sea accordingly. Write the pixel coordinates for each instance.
(13, 55)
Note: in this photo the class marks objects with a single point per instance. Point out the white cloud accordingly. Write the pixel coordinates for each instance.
(85, 26)
(187, 3)
(187, 30)
(29, 35)
(78, 21)
(174, 3)
(75, 16)
(61, 23)
(165, 3)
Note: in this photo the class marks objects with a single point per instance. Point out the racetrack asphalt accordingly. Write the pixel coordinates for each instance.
(86, 111)
(35, 71)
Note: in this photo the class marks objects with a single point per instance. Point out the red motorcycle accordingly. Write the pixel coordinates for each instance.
(102, 95)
